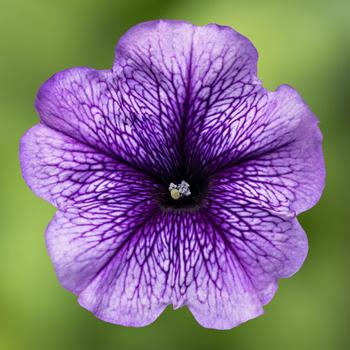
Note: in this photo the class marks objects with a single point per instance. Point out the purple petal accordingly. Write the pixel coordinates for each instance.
(151, 109)
(70, 174)
(279, 162)
(174, 73)
(86, 105)
(211, 281)
(112, 262)
(171, 258)
(180, 100)
(224, 267)
(267, 244)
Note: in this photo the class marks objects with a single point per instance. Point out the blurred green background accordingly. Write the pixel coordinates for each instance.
(302, 43)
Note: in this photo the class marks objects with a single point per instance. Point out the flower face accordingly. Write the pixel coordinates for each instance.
(176, 175)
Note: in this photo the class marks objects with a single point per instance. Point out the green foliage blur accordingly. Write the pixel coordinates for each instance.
(303, 43)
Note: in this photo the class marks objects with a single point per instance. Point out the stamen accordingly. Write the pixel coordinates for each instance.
(178, 191)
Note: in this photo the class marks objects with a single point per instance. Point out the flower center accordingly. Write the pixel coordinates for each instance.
(179, 194)
(179, 191)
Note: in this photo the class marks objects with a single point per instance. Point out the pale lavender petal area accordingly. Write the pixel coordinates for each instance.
(266, 238)
(101, 202)
(181, 104)
(117, 267)
(173, 258)
(211, 280)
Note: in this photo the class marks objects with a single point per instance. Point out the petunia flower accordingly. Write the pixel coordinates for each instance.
(176, 175)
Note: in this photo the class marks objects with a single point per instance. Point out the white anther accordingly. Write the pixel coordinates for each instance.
(178, 191)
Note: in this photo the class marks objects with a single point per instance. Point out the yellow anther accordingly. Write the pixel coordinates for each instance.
(175, 193)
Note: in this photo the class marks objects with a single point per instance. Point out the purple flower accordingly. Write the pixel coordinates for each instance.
(176, 175)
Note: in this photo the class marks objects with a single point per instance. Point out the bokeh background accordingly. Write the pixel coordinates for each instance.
(304, 43)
